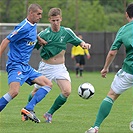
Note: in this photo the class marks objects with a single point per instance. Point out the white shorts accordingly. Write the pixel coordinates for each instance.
(122, 81)
(53, 72)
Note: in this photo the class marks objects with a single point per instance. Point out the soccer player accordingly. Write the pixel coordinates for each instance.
(53, 60)
(21, 42)
(124, 77)
(78, 53)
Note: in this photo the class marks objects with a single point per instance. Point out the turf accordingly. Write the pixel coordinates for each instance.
(76, 116)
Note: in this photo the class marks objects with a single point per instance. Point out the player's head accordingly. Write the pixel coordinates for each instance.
(55, 18)
(129, 10)
(34, 13)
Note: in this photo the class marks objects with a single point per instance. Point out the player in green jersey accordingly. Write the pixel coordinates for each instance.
(124, 77)
(53, 60)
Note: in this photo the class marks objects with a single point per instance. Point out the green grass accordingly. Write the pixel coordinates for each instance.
(76, 116)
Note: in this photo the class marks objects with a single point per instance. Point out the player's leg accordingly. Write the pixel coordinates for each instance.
(32, 94)
(121, 83)
(81, 70)
(62, 78)
(43, 69)
(77, 65)
(41, 92)
(65, 87)
(25, 117)
(45, 87)
(13, 92)
(14, 80)
(77, 69)
(103, 111)
(105, 107)
(82, 63)
(28, 110)
(42, 87)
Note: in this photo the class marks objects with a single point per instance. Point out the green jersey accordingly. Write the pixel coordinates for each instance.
(125, 37)
(56, 41)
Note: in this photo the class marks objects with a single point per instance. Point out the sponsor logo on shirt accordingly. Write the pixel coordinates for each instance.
(31, 43)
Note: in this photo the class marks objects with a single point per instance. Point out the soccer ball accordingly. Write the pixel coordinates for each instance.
(86, 90)
(131, 126)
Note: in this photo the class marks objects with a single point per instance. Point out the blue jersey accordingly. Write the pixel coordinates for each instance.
(22, 41)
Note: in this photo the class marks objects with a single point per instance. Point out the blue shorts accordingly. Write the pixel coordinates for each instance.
(21, 73)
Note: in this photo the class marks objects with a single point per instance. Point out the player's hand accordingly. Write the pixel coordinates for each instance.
(85, 45)
(41, 41)
(104, 72)
(72, 56)
(89, 46)
(88, 57)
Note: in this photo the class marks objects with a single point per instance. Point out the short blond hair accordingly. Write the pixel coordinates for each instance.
(54, 12)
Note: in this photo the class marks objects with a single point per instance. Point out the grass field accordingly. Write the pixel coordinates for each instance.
(76, 116)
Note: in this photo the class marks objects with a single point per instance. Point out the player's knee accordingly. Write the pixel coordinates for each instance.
(47, 83)
(14, 89)
(14, 93)
(66, 93)
(50, 84)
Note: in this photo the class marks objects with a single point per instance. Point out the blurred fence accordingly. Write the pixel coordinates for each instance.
(101, 42)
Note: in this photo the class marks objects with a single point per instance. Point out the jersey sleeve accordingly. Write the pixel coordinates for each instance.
(73, 38)
(17, 34)
(118, 40)
(86, 51)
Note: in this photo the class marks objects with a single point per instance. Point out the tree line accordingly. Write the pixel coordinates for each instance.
(79, 15)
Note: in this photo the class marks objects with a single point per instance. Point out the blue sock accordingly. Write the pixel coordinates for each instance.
(4, 101)
(39, 95)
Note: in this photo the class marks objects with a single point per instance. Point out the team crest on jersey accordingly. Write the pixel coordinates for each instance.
(62, 38)
(19, 73)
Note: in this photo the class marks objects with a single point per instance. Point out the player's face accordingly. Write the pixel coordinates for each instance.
(36, 16)
(55, 22)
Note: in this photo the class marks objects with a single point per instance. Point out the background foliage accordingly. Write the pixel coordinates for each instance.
(79, 15)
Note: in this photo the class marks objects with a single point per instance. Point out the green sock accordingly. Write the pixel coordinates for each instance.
(104, 111)
(30, 97)
(60, 100)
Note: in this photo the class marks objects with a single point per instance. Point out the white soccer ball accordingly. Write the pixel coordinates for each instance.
(131, 125)
(86, 90)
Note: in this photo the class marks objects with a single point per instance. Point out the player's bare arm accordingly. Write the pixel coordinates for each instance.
(3, 46)
(110, 57)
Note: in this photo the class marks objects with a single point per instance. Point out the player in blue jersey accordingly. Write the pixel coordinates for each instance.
(21, 42)
(124, 77)
(53, 60)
